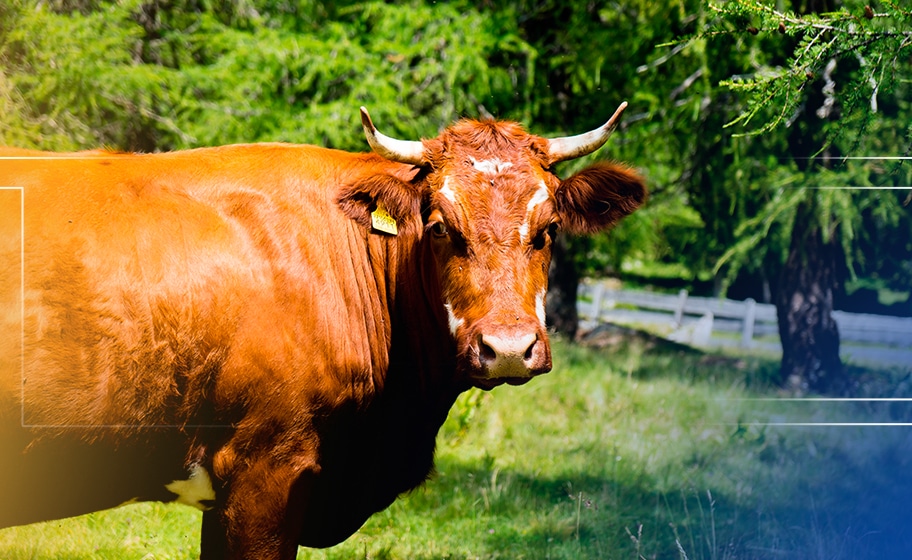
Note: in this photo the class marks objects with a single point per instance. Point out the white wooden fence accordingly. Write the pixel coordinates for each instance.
(678, 313)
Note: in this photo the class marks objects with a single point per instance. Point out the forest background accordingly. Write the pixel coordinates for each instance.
(771, 135)
(745, 117)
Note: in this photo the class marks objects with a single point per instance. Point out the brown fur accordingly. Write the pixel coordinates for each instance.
(598, 196)
(231, 308)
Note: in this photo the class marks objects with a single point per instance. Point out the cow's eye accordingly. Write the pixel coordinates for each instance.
(544, 236)
(439, 229)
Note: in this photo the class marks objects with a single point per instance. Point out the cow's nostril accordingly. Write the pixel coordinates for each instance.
(488, 355)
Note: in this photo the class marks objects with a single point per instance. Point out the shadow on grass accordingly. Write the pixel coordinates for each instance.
(834, 508)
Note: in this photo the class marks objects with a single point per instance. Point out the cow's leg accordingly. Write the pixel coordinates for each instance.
(213, 536)
(260, 517)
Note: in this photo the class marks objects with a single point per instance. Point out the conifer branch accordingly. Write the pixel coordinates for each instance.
(876, 41)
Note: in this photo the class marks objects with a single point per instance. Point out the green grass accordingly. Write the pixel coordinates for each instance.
(621, 453)
(141, 531)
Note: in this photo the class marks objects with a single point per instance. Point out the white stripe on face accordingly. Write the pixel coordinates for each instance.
(447, 191)
(540, 308)
(524, 232)
(541, 195)
(491, 166)
(454, 321)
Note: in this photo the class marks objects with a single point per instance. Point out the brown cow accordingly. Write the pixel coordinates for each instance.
(271, 333)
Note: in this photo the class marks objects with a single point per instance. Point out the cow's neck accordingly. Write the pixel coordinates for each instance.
(388, 447)
(420, 386)
(422, 355)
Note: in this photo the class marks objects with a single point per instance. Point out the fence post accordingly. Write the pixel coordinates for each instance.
(679, 310)
(599, 293)
(747, 328)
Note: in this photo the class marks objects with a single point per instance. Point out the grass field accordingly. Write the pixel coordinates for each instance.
(626, 452)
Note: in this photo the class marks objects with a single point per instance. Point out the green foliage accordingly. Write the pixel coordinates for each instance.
(171, 75)
(72, 75)
(831, 86)
(875, 45)
(846, 206)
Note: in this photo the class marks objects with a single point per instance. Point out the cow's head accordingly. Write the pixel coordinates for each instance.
(490, 207)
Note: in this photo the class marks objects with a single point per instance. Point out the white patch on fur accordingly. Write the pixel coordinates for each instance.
(454, 321)
(540, 196)
(491, 166)
(447, 191)
(193, 491)
(540, 308)
(524, 232)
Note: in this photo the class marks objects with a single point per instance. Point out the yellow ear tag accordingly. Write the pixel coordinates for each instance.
(382, 221)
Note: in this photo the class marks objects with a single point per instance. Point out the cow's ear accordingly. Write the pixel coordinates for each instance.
(597, 197)
(401, 200)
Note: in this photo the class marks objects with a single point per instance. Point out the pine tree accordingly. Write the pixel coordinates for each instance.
(833, 93)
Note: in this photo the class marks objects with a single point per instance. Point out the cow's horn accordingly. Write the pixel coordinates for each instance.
(403, 151)
(570, 147)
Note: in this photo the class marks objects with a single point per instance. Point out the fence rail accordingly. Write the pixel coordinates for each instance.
(693, 319)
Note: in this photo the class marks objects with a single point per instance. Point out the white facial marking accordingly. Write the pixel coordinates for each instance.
(454, 321)
(540, 308)
(194, 490)
(540, 196)
(491, 166)
(524, 232)
(447, 191)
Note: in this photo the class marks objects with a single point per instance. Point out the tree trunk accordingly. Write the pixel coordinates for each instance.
(804, 306)
(563, 283)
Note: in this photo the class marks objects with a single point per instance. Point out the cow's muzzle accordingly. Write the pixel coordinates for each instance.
(511, 356)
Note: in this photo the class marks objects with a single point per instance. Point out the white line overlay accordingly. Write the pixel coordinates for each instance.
(823, 424)
(819, 400)
(861, 188)
(872, 158)
(21, 296)
(879, 157)
(22, 328)
(866, 188)
(823, 399)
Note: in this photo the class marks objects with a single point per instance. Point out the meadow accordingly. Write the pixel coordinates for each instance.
(632, 450)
